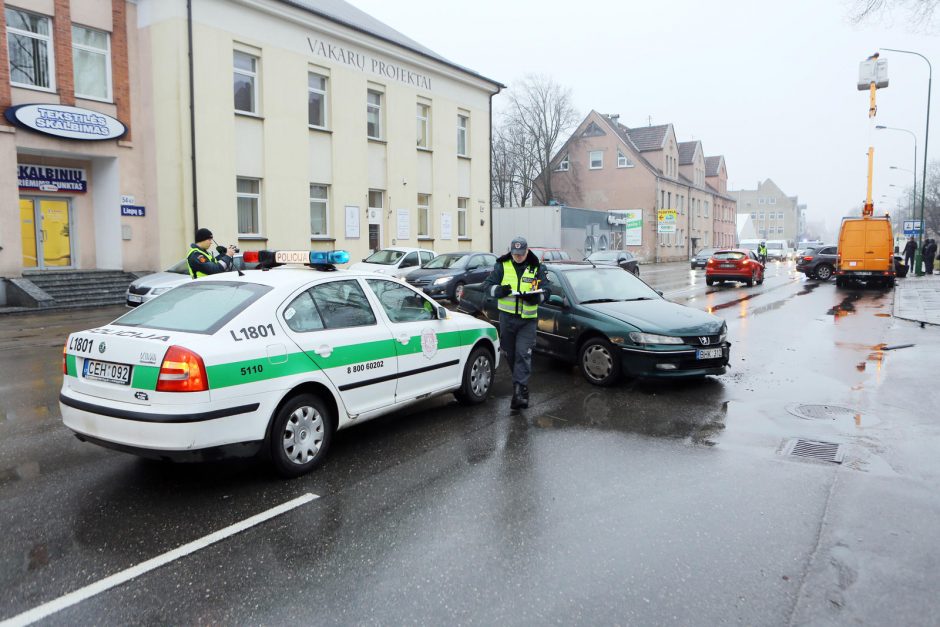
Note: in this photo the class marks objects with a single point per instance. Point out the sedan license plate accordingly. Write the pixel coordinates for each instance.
(708, 353)
(106, 371)
(728, 265)
(134, 298)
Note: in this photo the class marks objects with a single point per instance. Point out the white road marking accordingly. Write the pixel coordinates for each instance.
(72, 598)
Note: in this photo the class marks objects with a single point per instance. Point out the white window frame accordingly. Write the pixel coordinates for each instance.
(370, 106)
(564, 164)
(462, 204)
(760, 201)
(109, 97)
(427, 209)
(772, 200)
(257, 199)
(326, 210)
(50, 70)
(591, 154)
(463, 131)
(622, 160)
(423, 119)
(255, 79)
(324, 93)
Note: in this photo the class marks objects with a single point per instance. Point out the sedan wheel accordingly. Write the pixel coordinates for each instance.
(600, 362)
(301, 435)
(824, 272)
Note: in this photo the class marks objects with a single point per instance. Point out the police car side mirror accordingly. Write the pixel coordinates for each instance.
(441, 312)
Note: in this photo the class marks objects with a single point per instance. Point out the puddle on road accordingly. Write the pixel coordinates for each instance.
(807, 289)
(846, 307)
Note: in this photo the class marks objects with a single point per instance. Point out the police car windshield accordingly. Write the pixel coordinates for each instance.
(447, 261)
(197, 307)
(607, 284)
(385, 257)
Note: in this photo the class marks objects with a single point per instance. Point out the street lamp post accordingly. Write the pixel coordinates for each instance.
(920, 239)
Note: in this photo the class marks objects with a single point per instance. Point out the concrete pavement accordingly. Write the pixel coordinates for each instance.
(918, 299)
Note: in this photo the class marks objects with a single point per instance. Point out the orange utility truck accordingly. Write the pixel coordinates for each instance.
(866, 252)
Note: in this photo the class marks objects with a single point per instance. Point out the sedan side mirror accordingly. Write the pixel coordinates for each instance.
(555, 299)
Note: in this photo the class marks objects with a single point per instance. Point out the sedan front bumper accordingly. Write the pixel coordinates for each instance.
(669, 364)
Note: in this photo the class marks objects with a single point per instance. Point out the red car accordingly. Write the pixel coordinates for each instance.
(734, 264)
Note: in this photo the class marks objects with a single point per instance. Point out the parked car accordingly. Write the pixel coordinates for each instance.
(611, 323)
(621, 258)
(549, 254)
(152, 285)
(394, 261)
(445, 275)
(818, 263)
(701, 258)
(734, 264)
(866, 254)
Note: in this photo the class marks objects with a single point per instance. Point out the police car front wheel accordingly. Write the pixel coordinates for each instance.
(477, 377)
(301, 435)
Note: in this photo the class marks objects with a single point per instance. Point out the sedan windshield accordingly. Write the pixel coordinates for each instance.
(385, 257)
(216, 301)
(608, 285)
(708, 252)
(447, 261)
(729, 255)
(774, 246)
(604, 256)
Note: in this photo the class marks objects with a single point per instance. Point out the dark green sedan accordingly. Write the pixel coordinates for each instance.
(611, 323)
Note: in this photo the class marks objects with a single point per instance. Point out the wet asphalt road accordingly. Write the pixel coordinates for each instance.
(648, 503)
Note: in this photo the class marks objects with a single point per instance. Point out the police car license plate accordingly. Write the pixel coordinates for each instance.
(106, 371)
(708, 353)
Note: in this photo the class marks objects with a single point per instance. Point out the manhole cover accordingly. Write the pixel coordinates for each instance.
(815, 449)
(822, 412)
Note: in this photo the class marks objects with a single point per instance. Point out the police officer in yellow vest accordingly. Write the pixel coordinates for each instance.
(516, 281)
(202, 261)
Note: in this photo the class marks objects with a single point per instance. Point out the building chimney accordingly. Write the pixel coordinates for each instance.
(614, 116)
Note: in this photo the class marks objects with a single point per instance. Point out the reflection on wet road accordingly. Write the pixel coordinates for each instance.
(646, 503)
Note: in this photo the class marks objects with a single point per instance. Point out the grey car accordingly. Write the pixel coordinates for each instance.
(701, 258)
(152, 285)
(818, 263)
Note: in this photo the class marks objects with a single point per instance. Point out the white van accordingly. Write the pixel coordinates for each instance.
(777, 250)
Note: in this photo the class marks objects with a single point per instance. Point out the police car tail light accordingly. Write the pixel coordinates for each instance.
(182, 370)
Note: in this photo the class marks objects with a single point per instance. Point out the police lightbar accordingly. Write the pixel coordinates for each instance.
(315, 258)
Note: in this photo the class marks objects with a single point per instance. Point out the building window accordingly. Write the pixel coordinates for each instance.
(319, 209)
(669, 200)
(462, 217)
(564, 164)
(463, 146)
(424, 125)
(248, 198)
(596, 158)
(760, 201)
(91, 61)
(753, 215)
(316, 100)
(706, 208)
(772, 200)
(29, 41)
(245, 82)
(374, 114)
(622, 161)
(424, 215)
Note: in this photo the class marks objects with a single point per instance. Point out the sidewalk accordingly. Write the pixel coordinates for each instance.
(918, 299)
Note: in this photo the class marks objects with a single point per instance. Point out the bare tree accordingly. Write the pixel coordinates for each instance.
(932, 201)
(514, 165)
(920, 13)
(542, 112)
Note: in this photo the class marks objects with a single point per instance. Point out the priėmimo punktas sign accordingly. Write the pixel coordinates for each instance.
(51, 178)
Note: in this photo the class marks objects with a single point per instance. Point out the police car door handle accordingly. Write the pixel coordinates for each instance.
(324, 351)
(403, 338)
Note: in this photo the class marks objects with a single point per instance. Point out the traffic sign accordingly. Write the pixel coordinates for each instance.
(666, 220)
(913, 227)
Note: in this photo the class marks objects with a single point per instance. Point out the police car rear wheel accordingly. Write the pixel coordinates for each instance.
(301, 435)
(477, 377)
(600, 363)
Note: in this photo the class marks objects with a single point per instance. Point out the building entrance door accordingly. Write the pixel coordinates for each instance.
(375, 237)
(46, 231)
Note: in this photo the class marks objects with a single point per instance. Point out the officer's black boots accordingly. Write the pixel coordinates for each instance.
(516, 401)
(523, 396)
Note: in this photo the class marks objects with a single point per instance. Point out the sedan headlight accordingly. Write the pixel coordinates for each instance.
(652, 338)
(443, 280)
(159, 290)
(723, 335)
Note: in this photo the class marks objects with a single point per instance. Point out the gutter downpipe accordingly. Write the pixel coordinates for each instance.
(192, 111)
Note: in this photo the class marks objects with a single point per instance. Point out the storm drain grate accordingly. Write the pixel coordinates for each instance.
(821, 412)
(814, 449)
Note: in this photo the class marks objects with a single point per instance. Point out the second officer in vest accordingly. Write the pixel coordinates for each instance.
(516, 281)
(202, 261)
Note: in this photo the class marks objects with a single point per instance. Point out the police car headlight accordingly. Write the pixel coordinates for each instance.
(443, 280)
(652, 338)
(160, 290)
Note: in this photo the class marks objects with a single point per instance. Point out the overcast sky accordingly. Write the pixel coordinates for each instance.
(772, 86)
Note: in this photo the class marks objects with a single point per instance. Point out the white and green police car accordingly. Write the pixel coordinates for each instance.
(268, 361)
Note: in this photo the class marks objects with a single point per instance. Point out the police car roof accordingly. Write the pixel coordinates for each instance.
(290, 275)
